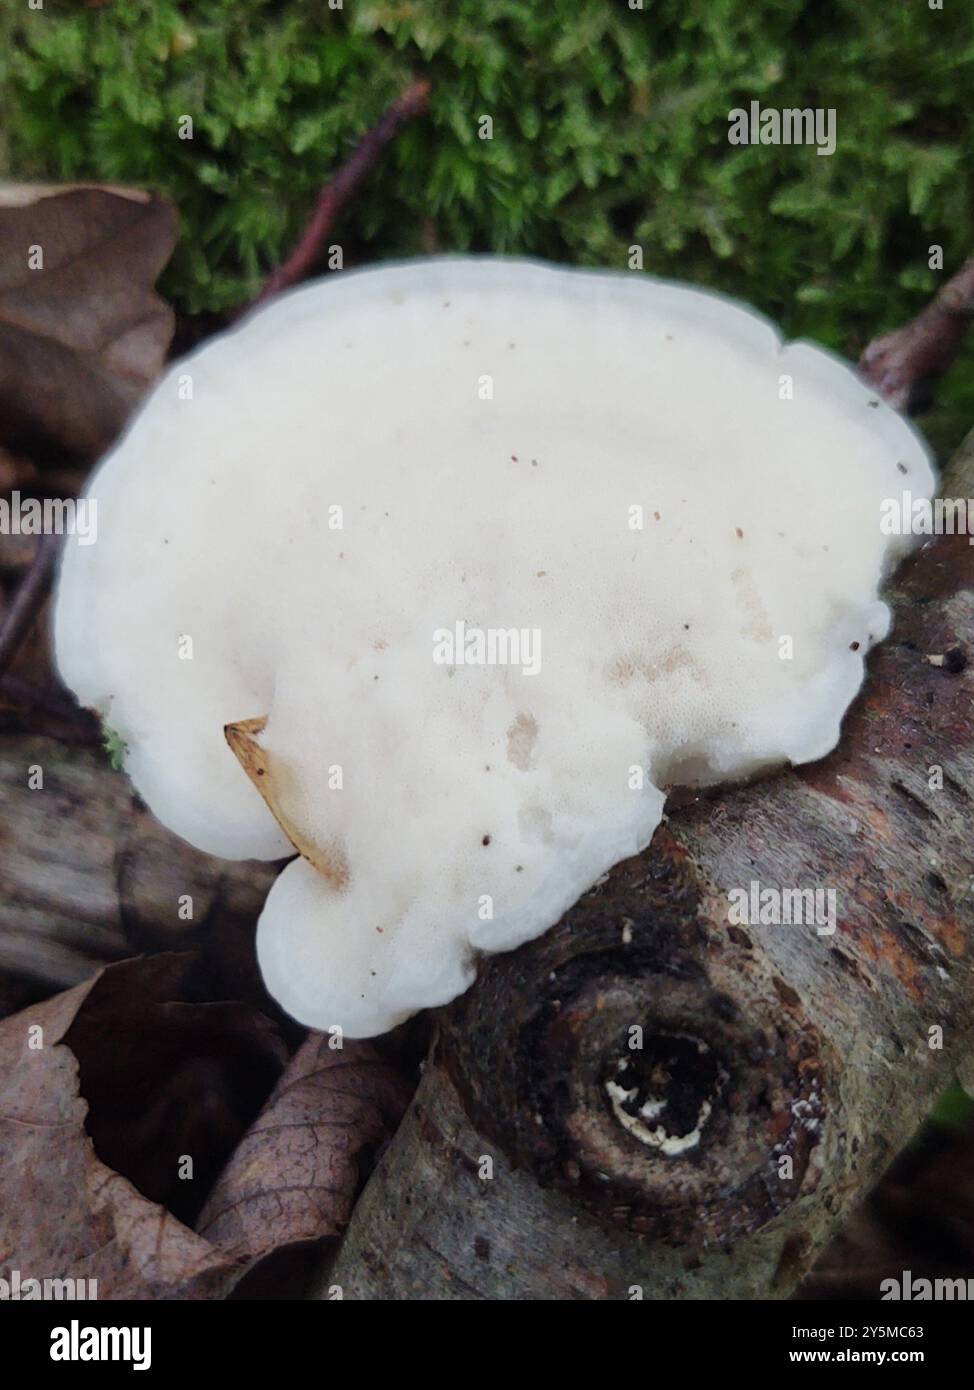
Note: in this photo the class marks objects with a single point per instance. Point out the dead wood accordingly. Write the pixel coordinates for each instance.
(87, 875)
(793, 1065)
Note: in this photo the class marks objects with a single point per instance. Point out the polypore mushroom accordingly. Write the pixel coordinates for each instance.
(473, 560)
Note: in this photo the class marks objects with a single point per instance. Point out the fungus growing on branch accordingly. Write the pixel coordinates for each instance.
(448, 571)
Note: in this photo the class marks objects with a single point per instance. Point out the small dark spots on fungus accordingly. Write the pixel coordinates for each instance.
(873, 405)
(903, 468)
(481, 1247)
(853, 646)
(485, 840)
(738, 533)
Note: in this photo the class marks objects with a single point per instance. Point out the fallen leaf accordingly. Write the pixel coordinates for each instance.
(295, 1175)
(83, 334)
(21, 195)
(99, 1070)
(273, 785)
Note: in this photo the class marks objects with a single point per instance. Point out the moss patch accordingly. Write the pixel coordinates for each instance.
(609, 130)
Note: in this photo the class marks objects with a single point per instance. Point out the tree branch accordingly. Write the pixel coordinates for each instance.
(898, 363)
(28, 599)
(102, 884)
(794, 1066)
(343, 187)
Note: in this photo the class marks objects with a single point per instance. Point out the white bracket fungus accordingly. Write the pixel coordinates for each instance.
(693, 561)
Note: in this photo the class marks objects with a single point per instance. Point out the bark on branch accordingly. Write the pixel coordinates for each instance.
(765, 1043)
(89, 876)
(901, 363)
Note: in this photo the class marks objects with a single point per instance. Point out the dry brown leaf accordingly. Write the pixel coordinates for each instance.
(113, 1058)
(267, 778)
(295, 1175)
(132, 1073)
(21, 195)
(82, 337)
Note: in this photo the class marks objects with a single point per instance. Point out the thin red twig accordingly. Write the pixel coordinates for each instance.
(897, 363)
(343, 186)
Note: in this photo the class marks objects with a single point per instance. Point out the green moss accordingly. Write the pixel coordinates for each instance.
(954, 1111)
(609, 129)
(115, 746)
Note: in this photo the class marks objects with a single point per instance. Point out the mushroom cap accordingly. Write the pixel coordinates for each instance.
(657, 525)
